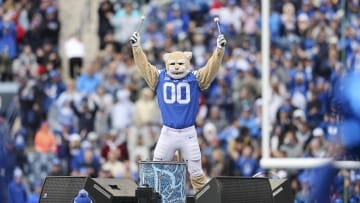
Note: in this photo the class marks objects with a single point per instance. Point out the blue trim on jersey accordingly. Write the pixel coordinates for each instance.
(178, 100)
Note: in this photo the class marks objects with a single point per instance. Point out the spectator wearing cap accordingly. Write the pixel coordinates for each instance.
(306, 8)
(303, 23)
(298, 118)
(74, 147)
(82, 197)
(303, 134)
(17, 190)
(53, 88)
(210, 142)
(317, 146)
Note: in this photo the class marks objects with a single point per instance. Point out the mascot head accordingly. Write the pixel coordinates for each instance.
(177, 64)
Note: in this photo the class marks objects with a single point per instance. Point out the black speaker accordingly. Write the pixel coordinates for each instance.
(281, 191)
(190, 199)
(106, 190)
(146, 194)
(63, 189)
(235, 190)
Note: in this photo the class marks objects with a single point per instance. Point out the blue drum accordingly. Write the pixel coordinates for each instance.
(167, 178)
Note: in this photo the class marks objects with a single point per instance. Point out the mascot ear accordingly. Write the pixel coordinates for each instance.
(188, 54)
(166, 56)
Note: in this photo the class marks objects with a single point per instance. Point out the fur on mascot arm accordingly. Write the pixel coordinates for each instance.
(178, 64)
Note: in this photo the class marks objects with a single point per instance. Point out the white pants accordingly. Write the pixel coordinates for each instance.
(184, 140)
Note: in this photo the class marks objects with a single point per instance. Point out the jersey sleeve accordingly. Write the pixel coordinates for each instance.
(207, 73)
(147, 70)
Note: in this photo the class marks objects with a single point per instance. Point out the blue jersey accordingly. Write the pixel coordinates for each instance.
(178, 100)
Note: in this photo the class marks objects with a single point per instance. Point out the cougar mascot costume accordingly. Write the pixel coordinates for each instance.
(178, 90)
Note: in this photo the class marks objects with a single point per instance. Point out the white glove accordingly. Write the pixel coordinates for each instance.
(220, 41)
(135, 39)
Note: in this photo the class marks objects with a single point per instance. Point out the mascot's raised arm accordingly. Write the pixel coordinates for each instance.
(178, 90)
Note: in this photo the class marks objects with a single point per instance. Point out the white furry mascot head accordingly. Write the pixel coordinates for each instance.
(177, 64)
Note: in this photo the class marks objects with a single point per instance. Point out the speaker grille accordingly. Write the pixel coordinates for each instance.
(245, 190)
(228, 189)
(61, 189)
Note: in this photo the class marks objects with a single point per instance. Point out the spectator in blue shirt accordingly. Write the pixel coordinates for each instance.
(87, 82)
(17, 191)
(247, 120)
(53, 88)
(34, 197)
(246, 165)
(86, 163)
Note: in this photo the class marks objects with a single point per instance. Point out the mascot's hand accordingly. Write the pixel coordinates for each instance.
(135, 39)
(220, 41)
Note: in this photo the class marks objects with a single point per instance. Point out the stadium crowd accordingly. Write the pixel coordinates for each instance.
(101, 119)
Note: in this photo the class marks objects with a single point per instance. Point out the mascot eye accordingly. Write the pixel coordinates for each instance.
(181, 63)
(172, 63)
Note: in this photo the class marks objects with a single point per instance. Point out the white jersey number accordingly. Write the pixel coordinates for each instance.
(175, 93)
